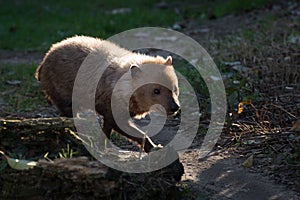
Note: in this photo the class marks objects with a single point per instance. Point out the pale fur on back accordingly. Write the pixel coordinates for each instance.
(114, 52)
(65, 54)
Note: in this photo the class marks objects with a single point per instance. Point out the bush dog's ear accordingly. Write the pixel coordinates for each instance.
(168, 60)
(135, 71)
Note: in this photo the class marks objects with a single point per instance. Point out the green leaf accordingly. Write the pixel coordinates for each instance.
(19, 164)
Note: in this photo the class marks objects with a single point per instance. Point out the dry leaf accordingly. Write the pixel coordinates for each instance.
(249, 162)
(296, 126)
(241, 105)
(240, 108)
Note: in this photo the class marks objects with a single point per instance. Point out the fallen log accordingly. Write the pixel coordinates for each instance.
(38, 136)
(35, 124)
(81, 178)
(77, 177)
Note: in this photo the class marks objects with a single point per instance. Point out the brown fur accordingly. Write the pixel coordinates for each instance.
(60, 65)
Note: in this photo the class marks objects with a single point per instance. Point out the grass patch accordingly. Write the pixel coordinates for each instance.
(196, 81)
(35, 25)
(221, 8)
(217, 8)
(20, 91)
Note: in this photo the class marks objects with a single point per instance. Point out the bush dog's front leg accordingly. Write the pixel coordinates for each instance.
(137, 136)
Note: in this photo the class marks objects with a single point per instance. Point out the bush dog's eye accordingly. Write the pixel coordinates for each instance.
(156, 91)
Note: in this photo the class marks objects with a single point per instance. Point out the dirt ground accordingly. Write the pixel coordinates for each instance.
(221, 174)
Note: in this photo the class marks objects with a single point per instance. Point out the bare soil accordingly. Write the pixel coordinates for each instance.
(20, 57)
